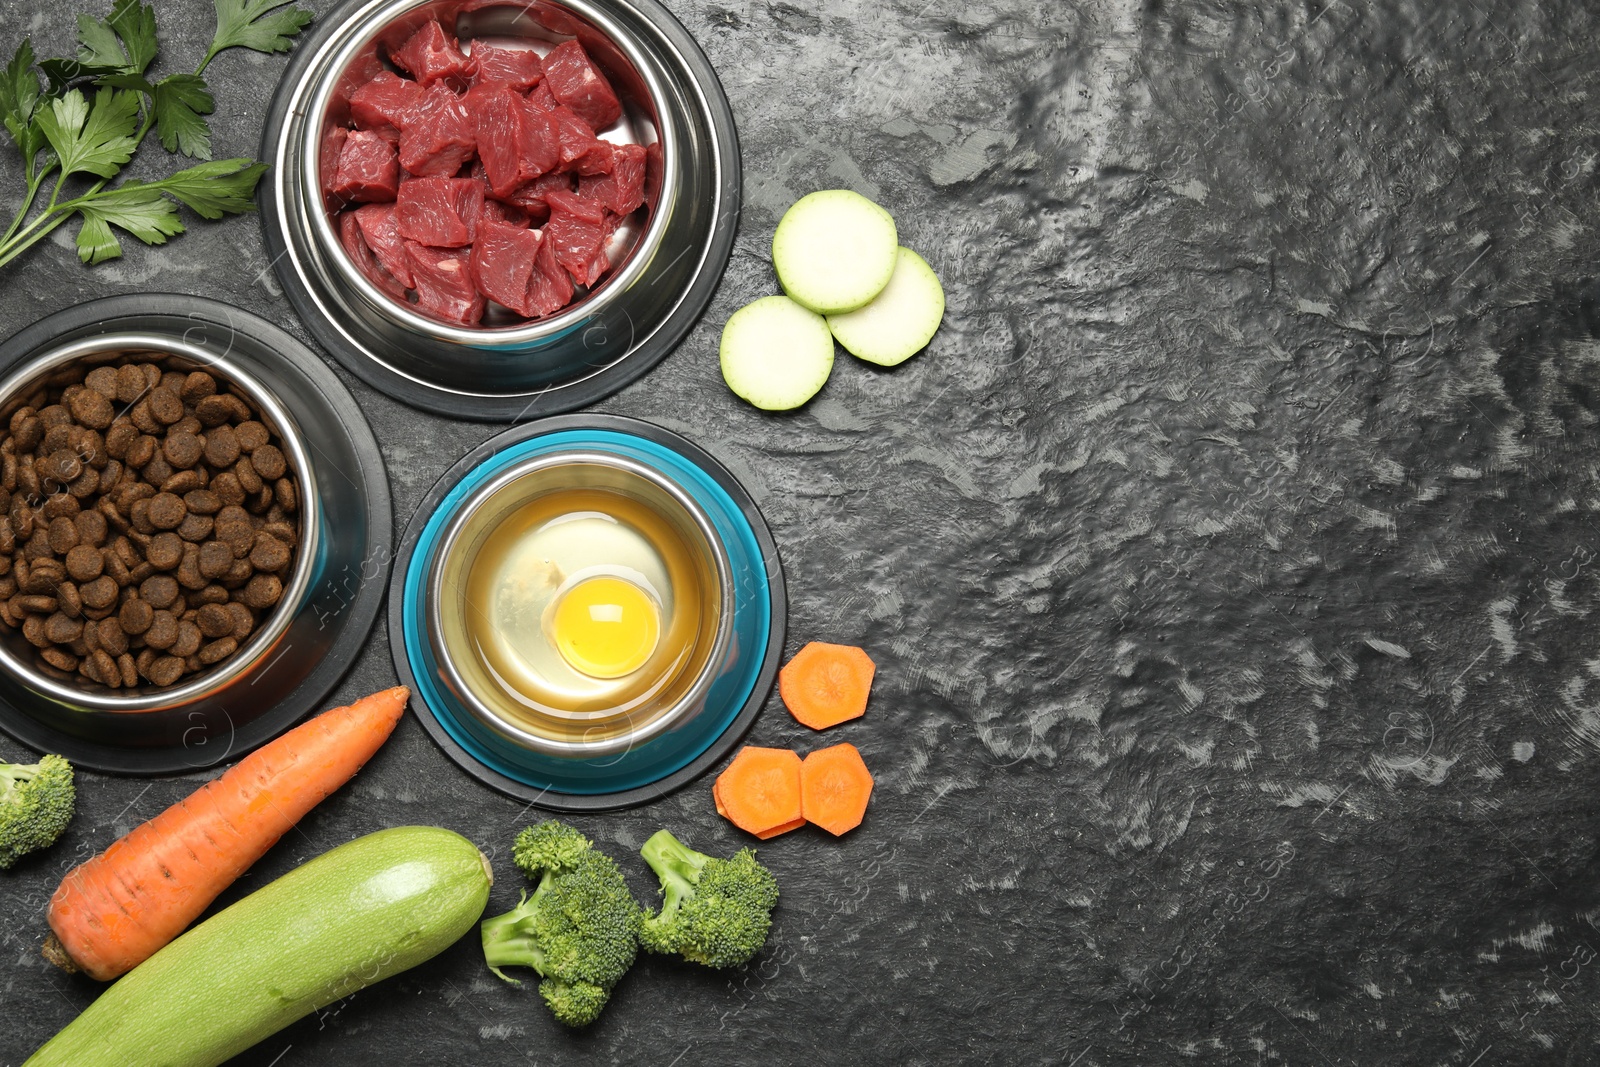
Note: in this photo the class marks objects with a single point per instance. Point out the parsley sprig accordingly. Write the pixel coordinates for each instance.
(78, 121)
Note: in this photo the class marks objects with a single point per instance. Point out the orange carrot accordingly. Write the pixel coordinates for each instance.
(834, 787)
(824, 685)
(113, 912)
(760, 791)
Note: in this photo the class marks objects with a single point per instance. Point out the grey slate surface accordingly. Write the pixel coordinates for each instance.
(1229, 559)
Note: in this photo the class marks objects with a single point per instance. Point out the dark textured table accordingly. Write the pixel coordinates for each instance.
(1229, 559)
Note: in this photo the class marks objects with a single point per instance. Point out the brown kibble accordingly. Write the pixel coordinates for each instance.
(139, 517)
(33, 631)
(211, 594)
(188, 642)
(262, 591)
(249, 478)
(183, 450)
(287, 496)
(214, 620)
(229, 491)
(162, 632)
(164, 670)
(166, 511)
(238, 574)
(128, 495)
(63, 467)
(195, 528)
(141, 452)
(269, 553)
(68, 599)
(130, 672)
(85, 563)
(143, 418)
(172, 381)
(100, 593)
(136, 616)
(103, 380)
(112, 637)
(121, 435)
(269, 462)
(222, 447)
(213, 410)
(202, 502)
(158, 470)
(139, 573)
(60, 659)
(104, 668)
(251, 434)
(218, 650)
(165, 551)
(130, 383)
(283, 531)
(244, 620)
(110, 475)
(87, 485)
(62, 629)
(117, 569)
(57, 439)
(61, 506)
(42, 577)
(165, 405)
(63, 534)
(184, 482)
(93, 409)
(33, 604)
(159, 590)
(91, 527)
(28, 435)
(125, 551)
(216, 558)
(197, 386)
(262, 502)
(53, 416)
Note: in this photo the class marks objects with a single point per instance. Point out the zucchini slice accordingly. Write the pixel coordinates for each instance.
(900, 321)
(775, 353)
(834, 251)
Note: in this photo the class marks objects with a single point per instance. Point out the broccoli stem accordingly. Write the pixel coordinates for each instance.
(677, 865)
(508, 939)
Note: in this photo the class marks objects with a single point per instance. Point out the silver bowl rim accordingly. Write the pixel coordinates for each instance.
(692, 698)
(361, 30)
(262, 641)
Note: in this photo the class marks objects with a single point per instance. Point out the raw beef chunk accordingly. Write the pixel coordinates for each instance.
(439, 212)
(437, 135)
(431, 55)
(578, 84)
(502, 265)
(369, 169)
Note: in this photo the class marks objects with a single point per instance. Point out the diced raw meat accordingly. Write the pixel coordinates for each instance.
(384, 102)
(502, 265)
(366, 263)
(577, 243)
(439, 212)
(577, 139)
(577, 83)
(503, 213)
(623, 189)
(444, 284)
(515, 142)
(328, 162)
(437, 136)
(550, 288)
(542, 100)
(519, 68)
(369, 169)
(599, 159)
(573, 204)
(531, 197)
(381, 228)
(431, 55)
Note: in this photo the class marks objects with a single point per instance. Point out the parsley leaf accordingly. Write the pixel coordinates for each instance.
(247, 24)
(139, 209)
(217, 188)
(135, 23)
(19, 100)
(180, 101)
(94, 140)
(98, 45)
(122, 43)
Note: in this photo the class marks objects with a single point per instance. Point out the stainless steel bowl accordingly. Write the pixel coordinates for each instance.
(668, 268)
(77, 694)
(672, 697)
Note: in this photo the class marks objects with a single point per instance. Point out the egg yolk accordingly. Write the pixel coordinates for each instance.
(606, 627)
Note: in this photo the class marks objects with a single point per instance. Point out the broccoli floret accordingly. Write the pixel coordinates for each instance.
(36, 802)
(713, 911)
(579, 929)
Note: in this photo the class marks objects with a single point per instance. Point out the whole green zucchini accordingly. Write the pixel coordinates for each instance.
(351, 917)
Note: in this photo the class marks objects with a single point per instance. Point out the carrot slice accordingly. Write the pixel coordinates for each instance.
(114, 911)
(785, 828)
(760, 791)
(834, 787)
(825, 685)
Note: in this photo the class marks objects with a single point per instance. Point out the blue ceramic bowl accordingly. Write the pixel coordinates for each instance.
(695, 741)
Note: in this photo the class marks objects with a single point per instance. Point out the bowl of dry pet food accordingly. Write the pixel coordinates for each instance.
(175, 556)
